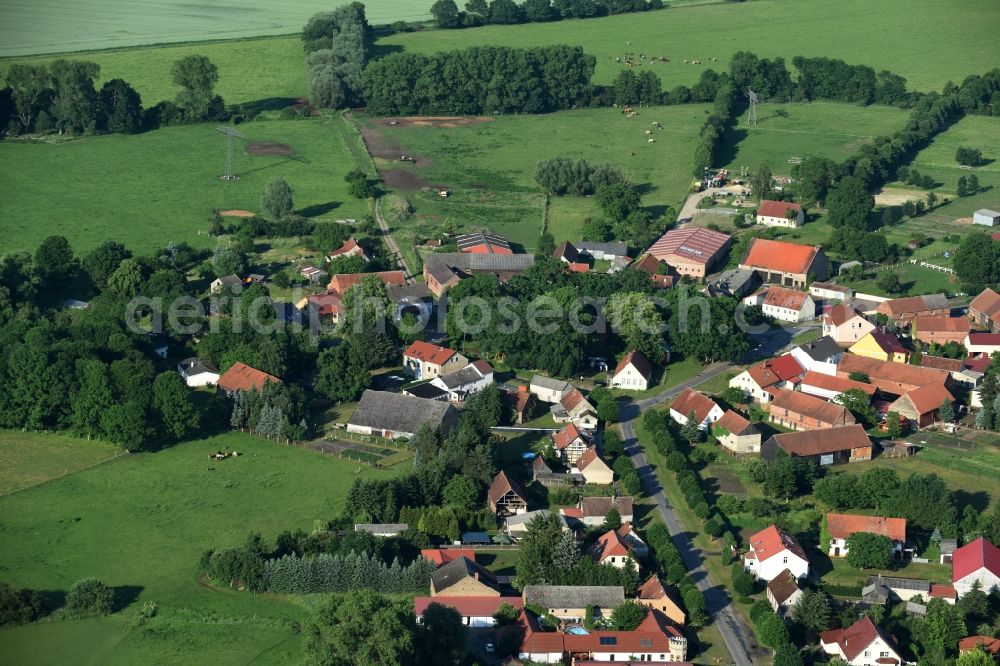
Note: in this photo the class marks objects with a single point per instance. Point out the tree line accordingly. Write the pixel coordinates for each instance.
(507, 12)
(336, 46)
(479, 80)
(63, 98)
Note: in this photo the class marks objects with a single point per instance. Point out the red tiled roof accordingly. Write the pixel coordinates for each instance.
(782, 369)
(571, 399)
(808, 443)
(854, 639)
(984, 339)
(974, 556)
(241, 377)
(988, 303)
(693, 401)
(780, 256)
(638, 360)
(940, 324)
(348, 246)
(943, 591)
(325, 304)
(732, 422)
(502, 485)
(941, 363)
(773, 540)
(425, 351)
(887, 342)
(843, 525)
(834, 383)
(990, 644)
(888, 376)
(441, 556)
(787, 299)
(694, 244)
(770, 208)
(812, 407)
(840, 314)
(341, 282)
(607, 545)
(652, 635)
(914, 304)
(588, 457)
(652, 589)
(467, 606)
(928, 398)
(978, 364)
(566, 436)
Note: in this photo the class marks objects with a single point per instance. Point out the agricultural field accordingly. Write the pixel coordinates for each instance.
(32, 458)
(938, 161)
(140, 523)
(489, 164)
(920, 40)
(62, 25)
(825, 129)
(146, 190)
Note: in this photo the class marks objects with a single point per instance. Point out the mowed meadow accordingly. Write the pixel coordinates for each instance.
(927, 41)
(56, 26)
(140, 523)
(145, 190)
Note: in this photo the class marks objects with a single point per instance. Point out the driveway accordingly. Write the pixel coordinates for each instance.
(691, 205)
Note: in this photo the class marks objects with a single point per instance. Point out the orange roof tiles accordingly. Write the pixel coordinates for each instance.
(832, 383)
(941, 363)
(341, 282)
(894, 378)
(773, 540)
(840, 314)
(854, 639)
(608, 545)
(692, 401)
(780, 256)
(774, 371)
(990, 644)
(733, 423)
(241, 377)
(441, 556)
(987, 303)
(428, 353)
(811, 407)
(928, 398)
(502, 484)
(787, 299)
(843, 525)
(938, 324)
(566, 436)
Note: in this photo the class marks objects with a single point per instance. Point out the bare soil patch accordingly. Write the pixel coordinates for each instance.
(435, 121)
(269, 148)
(728, 482)
(897, 197)
(237, 213)
(404, 179)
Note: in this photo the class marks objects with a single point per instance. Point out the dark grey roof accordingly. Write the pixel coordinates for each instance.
(948, 546)
(417, 291)
(479, 263)
(401, 413)
(734, 282)
(574, 596)
(481, 238)
(475, 537)
(458, 570)
(822, 349)
(895, 583)
(230, 280)
(876, 593)
(914, 608)
(426, 390)
(619, 249)
(196, 366)
(463, 377)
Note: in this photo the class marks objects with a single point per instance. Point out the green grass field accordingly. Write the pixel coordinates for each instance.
(148, 189)
(492, 164)
(920, 40)
(140, 523)
(938, 161)
(62, 25)
(824, 129)
(32, 458)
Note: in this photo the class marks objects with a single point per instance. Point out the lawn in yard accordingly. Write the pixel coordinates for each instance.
(489, 166)
(140, 523)
(148, 189)
(913, 38)
(823, 129)
(31, 458)
(913, 278)
(836, 571)
(63, 25)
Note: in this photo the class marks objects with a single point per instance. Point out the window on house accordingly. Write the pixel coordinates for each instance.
(784, 560)
(646, 642)
(609, 640)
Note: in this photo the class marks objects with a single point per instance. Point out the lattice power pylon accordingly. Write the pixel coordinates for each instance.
(231, 134)
(752, 114)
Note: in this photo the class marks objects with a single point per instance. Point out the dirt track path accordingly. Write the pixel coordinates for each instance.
(391, 242)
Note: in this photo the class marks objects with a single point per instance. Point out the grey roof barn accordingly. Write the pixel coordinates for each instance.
(381, 410)
(574, 596)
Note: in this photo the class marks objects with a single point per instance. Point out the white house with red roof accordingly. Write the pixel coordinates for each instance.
(575, 408)
(861, 644)
(842, 526)
(632, 372)
(611, 549)
(241, 377)
(424, 360)
(976, 561)
(982, 344)
(706, 411)
(772, 550)
(780, 214)
(762, 380)
(845, 324)
(569, 443)
(350, 248)
(783, 304)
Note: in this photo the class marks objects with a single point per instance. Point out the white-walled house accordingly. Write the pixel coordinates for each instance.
(845, 324)
(842, 526)
(760, 381)
(784, 304)
(705, 410)
(197, 372)
(549, 390)
(820, 355)
(633, 372)
(473, 378)
(861, 644)
(772, 550)
(976, 561)
(776, 214)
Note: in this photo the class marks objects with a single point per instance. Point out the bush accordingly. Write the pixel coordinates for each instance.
(19, 606)
(90, 597)
(759, 609)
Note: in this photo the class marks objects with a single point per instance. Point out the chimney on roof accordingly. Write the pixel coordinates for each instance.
(521, 388)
